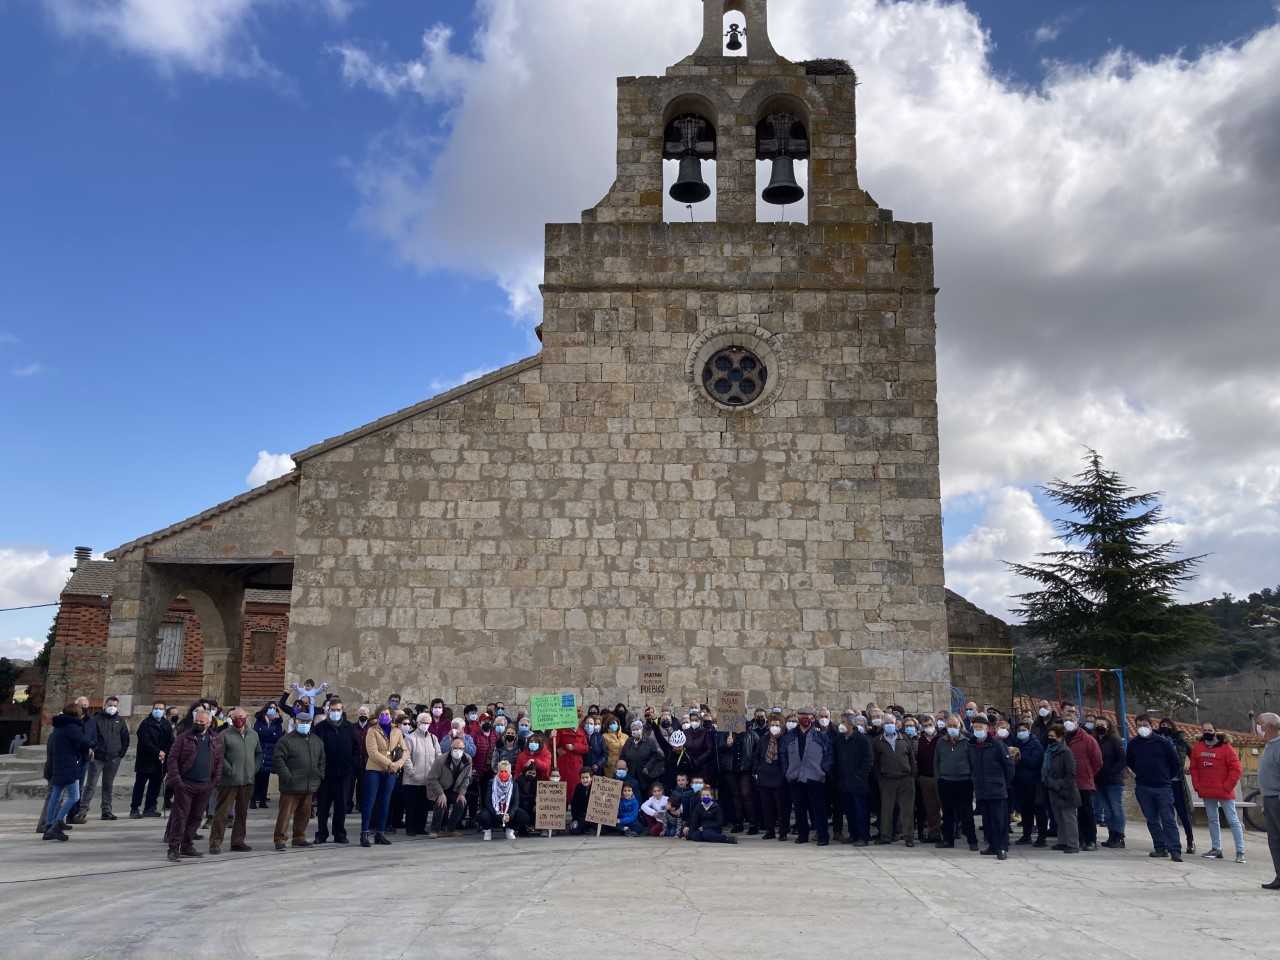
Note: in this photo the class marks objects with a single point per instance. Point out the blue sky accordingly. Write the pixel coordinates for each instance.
(190, 271)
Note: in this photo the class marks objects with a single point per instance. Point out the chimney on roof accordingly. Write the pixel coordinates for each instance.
(83, 554)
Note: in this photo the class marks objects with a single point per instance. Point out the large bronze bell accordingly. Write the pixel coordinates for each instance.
(689, 186)
(782, 188)
(735, 38)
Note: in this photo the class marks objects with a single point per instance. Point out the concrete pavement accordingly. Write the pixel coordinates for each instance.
(110, 892)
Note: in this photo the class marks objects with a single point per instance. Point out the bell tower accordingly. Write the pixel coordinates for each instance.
(754, 402)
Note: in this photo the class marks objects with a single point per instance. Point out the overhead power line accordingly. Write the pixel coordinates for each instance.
(34, 606)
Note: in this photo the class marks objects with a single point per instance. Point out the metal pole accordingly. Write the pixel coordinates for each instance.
(1124, 709)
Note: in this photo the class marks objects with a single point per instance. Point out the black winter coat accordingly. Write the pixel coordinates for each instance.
(706, 818)
(644, 758)
(773, 775)
(68, 750)
(1114, 762)
(853, 763)
(992, 769)
(341, 751)
(112, 739)
(154, 737)
(1060, 776)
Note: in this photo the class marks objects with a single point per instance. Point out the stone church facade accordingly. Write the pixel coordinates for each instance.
(725, 454)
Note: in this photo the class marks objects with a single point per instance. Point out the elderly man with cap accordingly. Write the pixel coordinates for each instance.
(241, 757)
(192, 769)
(807, 759)
(300, 765)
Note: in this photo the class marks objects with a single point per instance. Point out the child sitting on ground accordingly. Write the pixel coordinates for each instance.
(629, 813)
(578, 805)
(673, 819)
(706, 824)
(653, 809)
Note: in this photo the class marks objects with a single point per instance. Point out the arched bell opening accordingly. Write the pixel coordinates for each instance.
(782, 161)
(688, 161)
(735, 32)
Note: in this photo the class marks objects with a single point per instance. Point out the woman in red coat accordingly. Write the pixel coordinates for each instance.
(1215, 771)
(571, 751)
(535, 752)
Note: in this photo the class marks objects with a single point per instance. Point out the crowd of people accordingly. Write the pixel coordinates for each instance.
(1056, 773)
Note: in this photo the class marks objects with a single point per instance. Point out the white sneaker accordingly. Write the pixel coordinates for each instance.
(511, 834)
(488, 834)
(1239, 858)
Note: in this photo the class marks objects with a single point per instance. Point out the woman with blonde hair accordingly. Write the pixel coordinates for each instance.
(387, 756)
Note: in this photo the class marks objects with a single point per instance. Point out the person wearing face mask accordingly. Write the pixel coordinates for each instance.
(155, 738)
(926, 782)
(676, 759)
(643, 758)
(1088, 756)
(341, 739)
(241, 758)
(954, 772)
(1181, 797)
(423, 752)
(738, 779)
(447, 789)
(386, 754)
(66, 755)
(268, 724)
(1109, 798)
(614, 740)
(193, 767)
(770, 776)
(1058, 772)
(506, 745)
(1215, 771)
(807, 760)
(992, 771)
(1155, 763)
(109, 748)
(502, 810)
(572, 749)
(299, 766)
(1028, 775)
(851, 752)
(441, 721)
(536, 757)
(895, 760)
(1044, 719)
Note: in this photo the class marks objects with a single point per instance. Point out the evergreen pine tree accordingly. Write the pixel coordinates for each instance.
(1107, 597)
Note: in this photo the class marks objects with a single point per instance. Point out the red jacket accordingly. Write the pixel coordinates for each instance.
(1088, 758)
(541, 762)
(571, 751)
(484, 747)
(1215, 770)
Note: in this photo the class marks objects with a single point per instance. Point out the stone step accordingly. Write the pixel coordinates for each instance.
(32, 752)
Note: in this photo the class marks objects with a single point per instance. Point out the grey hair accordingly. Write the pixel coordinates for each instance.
(1270, 720)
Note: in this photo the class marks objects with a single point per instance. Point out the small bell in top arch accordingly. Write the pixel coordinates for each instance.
(735, 37)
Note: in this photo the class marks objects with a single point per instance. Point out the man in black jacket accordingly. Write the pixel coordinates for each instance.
(155, 737)
(852, 776)
(341, 757)
(110, 744)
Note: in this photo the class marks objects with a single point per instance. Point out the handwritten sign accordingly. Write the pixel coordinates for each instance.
(553, 711)
(731, 708)
(549, 810)
(653, 676)
(602, 803)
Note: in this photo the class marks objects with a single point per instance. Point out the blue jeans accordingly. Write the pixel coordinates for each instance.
(1211, 808)
(1110, 800)
(375, 805)
(62, 800)
(1162, 822)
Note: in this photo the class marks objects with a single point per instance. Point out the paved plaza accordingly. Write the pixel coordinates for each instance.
(110, 893)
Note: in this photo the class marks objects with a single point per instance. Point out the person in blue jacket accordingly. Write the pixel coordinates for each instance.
(807, 759)
(1155, 763)
(1026, 784)
(269, 726)
(992, 771)
(629, 813)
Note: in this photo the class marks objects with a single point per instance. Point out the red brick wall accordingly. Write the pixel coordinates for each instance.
(78, 662)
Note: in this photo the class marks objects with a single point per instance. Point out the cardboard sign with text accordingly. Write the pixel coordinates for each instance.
(549, 810)
(731, 708)
(653, 676)
(553, 711)
(602, 803)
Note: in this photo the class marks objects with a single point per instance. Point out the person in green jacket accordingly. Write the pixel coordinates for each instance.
(241, 758)
(299, 765)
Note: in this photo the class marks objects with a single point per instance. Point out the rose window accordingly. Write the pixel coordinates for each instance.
(734, 376)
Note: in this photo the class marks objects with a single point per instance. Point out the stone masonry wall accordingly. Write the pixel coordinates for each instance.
(541, 532)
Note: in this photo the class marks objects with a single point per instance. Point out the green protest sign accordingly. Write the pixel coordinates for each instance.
(553, 711)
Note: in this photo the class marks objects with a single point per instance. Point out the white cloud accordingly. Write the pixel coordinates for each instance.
(208, 36)
(28, 370)
(268, 468)
(1105, 244)
(443, 385)
(32, 576)
(1047, 32)
(20, 648)
(1012, 529)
